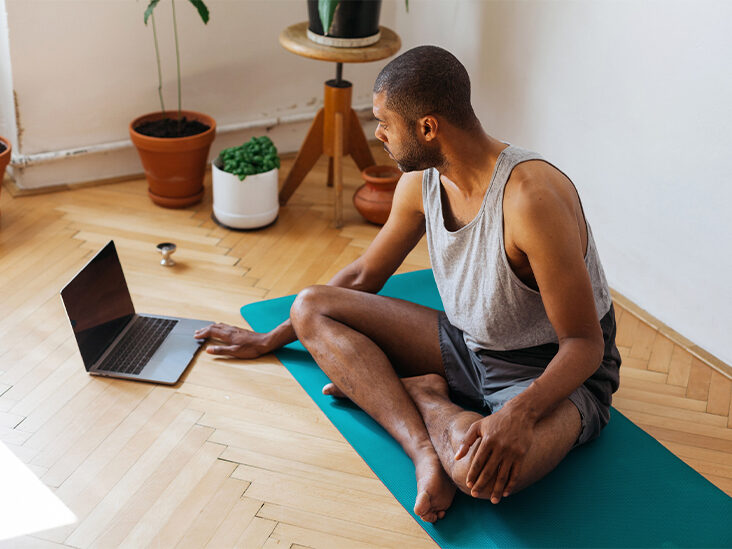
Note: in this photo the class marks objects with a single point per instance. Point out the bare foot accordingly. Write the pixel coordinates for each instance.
(446, 423)
(435, 490)
(331, 390)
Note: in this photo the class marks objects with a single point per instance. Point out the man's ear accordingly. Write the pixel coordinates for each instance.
(428, 127)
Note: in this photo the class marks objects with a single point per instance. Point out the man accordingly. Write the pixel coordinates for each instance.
(492, 394)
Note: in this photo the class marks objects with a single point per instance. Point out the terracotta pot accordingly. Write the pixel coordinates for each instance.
(174, 166)
(4, 159)
(373, 199)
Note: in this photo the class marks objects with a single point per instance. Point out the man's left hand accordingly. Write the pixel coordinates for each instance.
(503, 439)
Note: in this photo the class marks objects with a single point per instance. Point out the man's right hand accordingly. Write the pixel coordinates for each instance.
(238, 342)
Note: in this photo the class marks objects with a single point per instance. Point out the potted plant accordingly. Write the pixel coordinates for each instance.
(173, 151)
(5, 152)
(345, 23)
(245, 185)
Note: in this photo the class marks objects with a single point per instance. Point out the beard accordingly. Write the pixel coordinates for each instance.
(417, 157)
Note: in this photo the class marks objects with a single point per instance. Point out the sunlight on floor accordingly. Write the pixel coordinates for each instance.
(26, 504)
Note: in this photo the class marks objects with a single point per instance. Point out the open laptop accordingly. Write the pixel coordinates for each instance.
(114, 340)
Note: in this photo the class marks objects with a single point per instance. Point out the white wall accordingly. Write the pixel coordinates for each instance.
(630, 98)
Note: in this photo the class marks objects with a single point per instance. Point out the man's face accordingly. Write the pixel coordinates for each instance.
(401, 140)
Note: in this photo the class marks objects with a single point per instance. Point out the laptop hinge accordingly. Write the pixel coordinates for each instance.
(115, 340)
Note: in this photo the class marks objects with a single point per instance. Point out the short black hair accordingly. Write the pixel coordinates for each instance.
(428, 80)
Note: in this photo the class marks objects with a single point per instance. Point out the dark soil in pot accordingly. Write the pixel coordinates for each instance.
(2, 147)
(171, 127)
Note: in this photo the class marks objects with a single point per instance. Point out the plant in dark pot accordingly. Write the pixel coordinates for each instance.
(345, 23)
(173, 145)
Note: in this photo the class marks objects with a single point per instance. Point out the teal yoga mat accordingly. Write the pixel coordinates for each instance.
(622, 490)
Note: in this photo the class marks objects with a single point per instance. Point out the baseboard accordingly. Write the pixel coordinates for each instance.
(119, 161)
(15, 191)
(664, 329)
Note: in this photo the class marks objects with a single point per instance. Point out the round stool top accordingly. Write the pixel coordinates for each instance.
(294, 38)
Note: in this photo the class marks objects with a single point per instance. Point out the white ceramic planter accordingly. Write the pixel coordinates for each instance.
(246, 204)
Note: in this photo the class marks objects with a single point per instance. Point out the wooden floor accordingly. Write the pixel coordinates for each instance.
(237, 454)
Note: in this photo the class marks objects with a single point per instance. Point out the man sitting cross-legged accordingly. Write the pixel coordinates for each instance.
(490, 395)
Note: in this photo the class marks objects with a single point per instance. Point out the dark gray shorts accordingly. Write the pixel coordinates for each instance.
(485, 380)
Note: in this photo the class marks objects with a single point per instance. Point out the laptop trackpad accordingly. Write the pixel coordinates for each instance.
(172, 358)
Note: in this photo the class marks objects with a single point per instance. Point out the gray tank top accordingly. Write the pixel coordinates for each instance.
(481, 294)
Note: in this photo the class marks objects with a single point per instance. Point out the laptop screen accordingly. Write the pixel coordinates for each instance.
(98, 304)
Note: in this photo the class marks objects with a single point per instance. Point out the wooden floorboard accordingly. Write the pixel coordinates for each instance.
(209, 462)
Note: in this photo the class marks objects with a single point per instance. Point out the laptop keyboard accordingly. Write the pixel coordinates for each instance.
(138, 345)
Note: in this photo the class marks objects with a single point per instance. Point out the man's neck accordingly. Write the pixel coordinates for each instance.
(470, 162)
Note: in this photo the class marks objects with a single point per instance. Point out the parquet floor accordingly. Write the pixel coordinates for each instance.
(237, 454)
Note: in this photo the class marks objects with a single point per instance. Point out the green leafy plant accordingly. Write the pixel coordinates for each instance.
(203, 12)
(258, 155)
(326, 9)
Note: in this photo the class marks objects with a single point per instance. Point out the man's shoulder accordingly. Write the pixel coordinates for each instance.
(409, 189)
(412, 178)
(536, 172)
(536, 184)
(408, 193)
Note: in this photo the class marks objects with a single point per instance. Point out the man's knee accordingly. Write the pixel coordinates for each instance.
(308, 303)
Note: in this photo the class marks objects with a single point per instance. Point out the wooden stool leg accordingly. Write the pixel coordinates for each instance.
(359, 147)
(330, 172)
(338, 169)
(337, 105)
(310, 151)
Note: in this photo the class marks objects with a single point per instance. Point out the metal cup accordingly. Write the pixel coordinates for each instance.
(167, 249)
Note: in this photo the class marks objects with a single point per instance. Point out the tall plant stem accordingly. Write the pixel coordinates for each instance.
(160, 72)
(177, 56)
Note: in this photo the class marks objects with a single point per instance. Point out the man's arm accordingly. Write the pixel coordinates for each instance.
(543, 226)
(547, 233)
(399, 235)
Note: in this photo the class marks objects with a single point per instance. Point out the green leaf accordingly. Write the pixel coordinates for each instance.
(150, 8)
(257, 155)
(202, 9)
(326, 9)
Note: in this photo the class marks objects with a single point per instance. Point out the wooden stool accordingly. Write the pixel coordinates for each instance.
(336, 130)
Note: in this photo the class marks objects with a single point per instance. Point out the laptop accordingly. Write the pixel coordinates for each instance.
(113, 339)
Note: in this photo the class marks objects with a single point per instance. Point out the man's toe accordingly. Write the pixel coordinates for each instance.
(422, 505)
